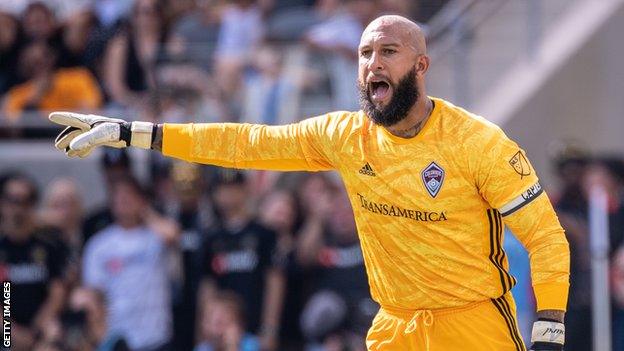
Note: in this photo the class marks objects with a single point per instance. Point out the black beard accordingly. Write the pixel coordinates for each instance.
(404, 96)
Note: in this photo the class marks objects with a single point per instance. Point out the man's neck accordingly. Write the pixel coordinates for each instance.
(129, 224)
(410, 126)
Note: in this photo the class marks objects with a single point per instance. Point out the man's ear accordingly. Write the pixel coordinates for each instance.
(422, 65)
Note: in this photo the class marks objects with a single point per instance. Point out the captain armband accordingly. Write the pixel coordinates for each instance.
(532, 193)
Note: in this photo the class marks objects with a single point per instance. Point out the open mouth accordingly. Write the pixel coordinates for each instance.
(379, 90)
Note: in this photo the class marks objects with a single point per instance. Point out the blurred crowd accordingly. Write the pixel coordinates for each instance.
(268, 61)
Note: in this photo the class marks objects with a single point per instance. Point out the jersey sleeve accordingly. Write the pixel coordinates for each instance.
(303, 146)
(508, 182)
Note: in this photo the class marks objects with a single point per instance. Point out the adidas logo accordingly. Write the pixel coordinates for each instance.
(367, 170)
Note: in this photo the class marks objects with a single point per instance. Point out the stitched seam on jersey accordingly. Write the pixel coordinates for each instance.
(521, 205)
(492, 246)
(495, 302)
(514, 325)
(499, 221)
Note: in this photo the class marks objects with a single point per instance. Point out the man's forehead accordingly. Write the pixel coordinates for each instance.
(381, 37)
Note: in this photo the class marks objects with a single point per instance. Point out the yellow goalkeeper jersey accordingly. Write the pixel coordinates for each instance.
(430, 210)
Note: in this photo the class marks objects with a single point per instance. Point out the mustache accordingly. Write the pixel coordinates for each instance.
(405, 93)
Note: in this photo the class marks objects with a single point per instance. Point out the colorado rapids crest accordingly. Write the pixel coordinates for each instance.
(433, 177)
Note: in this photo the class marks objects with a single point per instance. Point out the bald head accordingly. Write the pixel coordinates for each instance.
(399, 27)
(392, 63)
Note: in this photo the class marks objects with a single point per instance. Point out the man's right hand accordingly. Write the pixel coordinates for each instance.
(86, 132)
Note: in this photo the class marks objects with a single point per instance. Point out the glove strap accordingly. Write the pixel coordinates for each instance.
(548, 332)
(141, 134)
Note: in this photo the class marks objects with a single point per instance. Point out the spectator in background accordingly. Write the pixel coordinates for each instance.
(62, 210)
(269, 95)
(340, 310)
(115, 163)
(337, 37)
(80, 35)
(287, 20)
(222, 325)
(280, 212)
(239, 255)
(191, 208)
(571, 209)
(131, 56)
(48, 88)
(194, 36)
(126, 263)
(9, 45)
(240, 32)
(82, 326)
(31, 260)
(39, 24)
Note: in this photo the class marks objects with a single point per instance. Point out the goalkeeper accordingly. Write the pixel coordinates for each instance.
(432, 187)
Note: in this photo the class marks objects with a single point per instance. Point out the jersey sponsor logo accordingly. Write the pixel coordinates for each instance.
(520, 164)
(24, 273)
(367, 170)
(240, 261)
(522, 200)
(345, 257)
(396, 211)
(433, 177)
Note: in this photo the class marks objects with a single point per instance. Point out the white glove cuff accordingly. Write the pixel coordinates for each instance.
(141, 134)
(546, 331)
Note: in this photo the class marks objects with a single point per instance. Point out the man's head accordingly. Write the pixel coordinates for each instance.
(129, 201)
(222, 317)
(18, 198)
(62, 204)
(392, 65)
(37, 59)
(230, 192)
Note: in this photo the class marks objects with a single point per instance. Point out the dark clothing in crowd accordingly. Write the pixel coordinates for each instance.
(185, 296)
(238, 261)
(290, 332)
(341, 270)
(96, 222)
(30, 266)
(135, 75)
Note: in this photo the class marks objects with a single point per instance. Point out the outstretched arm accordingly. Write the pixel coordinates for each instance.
(308, 145)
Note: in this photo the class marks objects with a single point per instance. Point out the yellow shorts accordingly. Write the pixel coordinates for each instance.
(486, 325)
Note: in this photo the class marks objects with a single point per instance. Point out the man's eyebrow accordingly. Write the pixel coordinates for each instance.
(367, 46)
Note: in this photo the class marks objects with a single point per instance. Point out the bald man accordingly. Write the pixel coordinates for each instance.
(432, 187)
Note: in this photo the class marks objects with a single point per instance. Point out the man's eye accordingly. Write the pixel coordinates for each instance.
(388, 51)
(365, 53)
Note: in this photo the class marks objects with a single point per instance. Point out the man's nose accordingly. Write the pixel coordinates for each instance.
(374, 63)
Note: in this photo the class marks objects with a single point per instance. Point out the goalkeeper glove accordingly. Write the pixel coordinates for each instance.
(85, 132)
(547, 334)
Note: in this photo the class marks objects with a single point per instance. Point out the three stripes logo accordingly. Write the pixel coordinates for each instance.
(367, 170)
